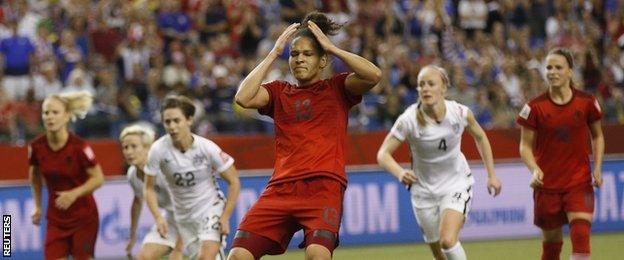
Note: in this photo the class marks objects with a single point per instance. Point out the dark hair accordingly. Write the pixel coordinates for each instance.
(176, 101)
(567, 54)
(326, 25)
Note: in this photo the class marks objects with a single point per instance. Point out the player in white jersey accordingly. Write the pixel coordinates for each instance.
(440, 180)
(135, 142)
(190, 164)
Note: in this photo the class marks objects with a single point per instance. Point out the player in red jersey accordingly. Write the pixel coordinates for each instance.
(68, 166)
(308, 183)
(556, 127)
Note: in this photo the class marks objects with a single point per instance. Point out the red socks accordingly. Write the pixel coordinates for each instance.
(579, 234)
(551, 250)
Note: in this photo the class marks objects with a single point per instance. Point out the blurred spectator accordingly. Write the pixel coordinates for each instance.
(17, 53)
(46, 81)
(221, 112)
(473, 15)
(176, 72)
(212, 21)
(28, 116)
(131, 54)
(78, 80)
(69, 54)
(8, 123)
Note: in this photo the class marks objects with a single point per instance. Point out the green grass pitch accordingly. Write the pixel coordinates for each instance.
(603, 246)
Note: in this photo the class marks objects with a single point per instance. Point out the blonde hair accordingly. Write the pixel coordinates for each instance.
(146, 133)
(420, 114)
(76, 103)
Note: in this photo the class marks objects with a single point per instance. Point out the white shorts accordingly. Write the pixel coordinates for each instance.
(205, 229)
(16, 87)
(429, 217)
(172, 233)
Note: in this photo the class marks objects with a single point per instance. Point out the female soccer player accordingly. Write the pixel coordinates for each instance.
(440, 180)
(557, 125)
(189, 163)
(307, 186)
(135, 143)
(72, 173)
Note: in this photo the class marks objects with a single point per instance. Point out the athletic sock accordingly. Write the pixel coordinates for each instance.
(551, 250)
(579, 234)
(456, 252)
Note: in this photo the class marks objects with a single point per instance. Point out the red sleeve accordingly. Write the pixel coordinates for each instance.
(273, 89)
(339, 81)
(528, 117)
(595, 112)
(86, 157)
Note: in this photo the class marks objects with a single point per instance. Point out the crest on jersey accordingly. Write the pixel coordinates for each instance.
(455, 128)
(597, 105)
(400, 127)
(224, 156)
(198, 160)
(89, 152)
(526, 110)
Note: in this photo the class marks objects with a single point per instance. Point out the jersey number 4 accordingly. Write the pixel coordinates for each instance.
(442, 144)
(184, 180)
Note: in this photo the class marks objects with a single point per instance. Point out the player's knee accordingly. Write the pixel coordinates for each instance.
(448, 241)
(147, 255)
(317, 252)
(239, 253)
(552, 236)
(208, 253)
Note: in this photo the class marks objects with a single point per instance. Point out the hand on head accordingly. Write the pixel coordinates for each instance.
(326, 44)
(282, 40)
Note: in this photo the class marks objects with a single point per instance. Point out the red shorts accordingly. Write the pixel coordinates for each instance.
(78, 242)
(551, 207)
(313, 204)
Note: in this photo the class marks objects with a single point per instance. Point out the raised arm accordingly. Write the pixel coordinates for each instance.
(485, 150)
(365, 74)
(527, 137)
(152, 204)
(231, 177)
(598, 150)
(66, 198)
(386, 161)
(35, 187)
(250, 94)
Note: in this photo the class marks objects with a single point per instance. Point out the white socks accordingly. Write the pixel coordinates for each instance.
(456, 252)
(576, 256)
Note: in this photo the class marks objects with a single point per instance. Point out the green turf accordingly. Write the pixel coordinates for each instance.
(603, 246)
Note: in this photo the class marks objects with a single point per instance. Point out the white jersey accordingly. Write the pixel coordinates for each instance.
(437, 159)
(160, 186)
(191, 176)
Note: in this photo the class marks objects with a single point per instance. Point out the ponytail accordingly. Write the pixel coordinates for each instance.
(76, 103)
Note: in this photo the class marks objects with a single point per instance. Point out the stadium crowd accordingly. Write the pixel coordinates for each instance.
(131, 54)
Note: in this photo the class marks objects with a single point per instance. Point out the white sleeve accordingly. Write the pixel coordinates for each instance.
(152, 167)
(219, 160)
(401, 127)
(463, 113)
(131, 176)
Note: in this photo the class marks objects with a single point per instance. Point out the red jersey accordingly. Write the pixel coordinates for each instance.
(562, 137)
(310, 128)
(64, 170)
